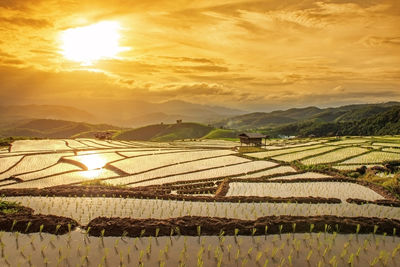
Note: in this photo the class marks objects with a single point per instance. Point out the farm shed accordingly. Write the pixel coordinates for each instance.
(255, 139)
(103, 135)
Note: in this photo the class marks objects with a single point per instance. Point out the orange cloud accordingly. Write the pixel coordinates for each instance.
(260, 52)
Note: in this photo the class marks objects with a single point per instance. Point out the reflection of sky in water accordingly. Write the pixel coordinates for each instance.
(94, 163)
(92, 173)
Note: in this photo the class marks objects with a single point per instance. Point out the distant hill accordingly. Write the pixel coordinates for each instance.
(45, 128)
(128, 113)
(122, 113)
(54, 112)
(386, 122)
(278, 118)
(170, 132)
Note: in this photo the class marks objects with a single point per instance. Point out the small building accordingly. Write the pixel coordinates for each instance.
(255, 139)
(103, 135)
(178, 121)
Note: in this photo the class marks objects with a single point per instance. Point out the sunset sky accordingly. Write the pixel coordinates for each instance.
(255, 55)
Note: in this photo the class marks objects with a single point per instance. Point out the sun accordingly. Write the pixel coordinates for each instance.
(92, 43)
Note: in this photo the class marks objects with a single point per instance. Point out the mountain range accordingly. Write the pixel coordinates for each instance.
(50, 121)
(265, 120)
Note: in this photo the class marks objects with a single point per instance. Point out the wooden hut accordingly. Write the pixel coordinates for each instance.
(255, 139)
(103, 135)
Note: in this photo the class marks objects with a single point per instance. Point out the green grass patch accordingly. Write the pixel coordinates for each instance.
(222, 134)
(9, 207)
(251, 149)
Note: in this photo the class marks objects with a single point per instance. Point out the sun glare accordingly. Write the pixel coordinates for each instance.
(92, 43)
(93, 161)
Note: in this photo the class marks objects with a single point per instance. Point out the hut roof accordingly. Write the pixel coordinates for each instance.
(253, 135)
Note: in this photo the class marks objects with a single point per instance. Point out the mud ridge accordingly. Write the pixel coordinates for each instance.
(29, 223)
(223, 188)
(381, 202)
(193, 225)
(151, 193)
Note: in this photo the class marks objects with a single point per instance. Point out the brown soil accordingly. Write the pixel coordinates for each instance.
(50, 223)
(381, 202)
(106, 191)
(184, 186)
(188, 225)
(223, 188)
(204, 190)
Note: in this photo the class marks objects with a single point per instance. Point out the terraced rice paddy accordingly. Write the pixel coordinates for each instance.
(274, 207)
(85, 209)
(335, 156)
(8, 162)
(220, 172)
(306, 175)
(339, 190)
(302, 154)
(373, 157)
(76, 249)
(267, 154)
(387, 144)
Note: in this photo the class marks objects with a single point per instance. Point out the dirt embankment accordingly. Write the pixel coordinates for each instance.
(191, 225)
(29, 223)
(104, 191)
(381, 202)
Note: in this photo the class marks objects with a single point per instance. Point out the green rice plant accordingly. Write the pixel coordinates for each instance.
(253, 231)
(199, 230)
(274, 251)
(333, 260)
(249, 251)
(236, 232)
(258, 257)
(358, 228)
(237, 254)
(57, 228)
(124, 234)
(351, 260)
(294, 227)
(13, 225)
(325, 251)
(142, 232)
(221, 233)
(343, 253)
(375, 228)
(27, 226)
(309, 255)
(374, 261)
(290, 259)
(157, 231)
(394, 252)
(358, 252)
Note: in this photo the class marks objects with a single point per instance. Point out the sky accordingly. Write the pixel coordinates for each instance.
(253, 55)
